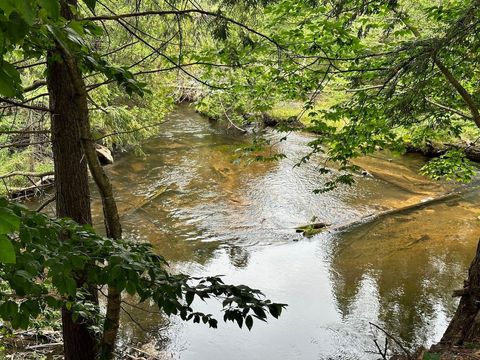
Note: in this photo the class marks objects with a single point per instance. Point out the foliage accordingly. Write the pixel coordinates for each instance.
(451, 166)
(39, 267)
(399, 92)
(385, 54)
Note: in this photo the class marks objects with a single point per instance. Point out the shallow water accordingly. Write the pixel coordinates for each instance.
(208, 214)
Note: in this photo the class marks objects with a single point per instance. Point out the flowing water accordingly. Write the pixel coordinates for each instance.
(208, 214)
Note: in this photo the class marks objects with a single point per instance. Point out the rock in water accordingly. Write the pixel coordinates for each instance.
(104, 154)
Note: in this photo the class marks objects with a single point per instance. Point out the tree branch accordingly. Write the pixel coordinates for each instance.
(465, 95)
(25, 106)
(444, 107)
(23, 144)
(30, 174)
(36, 84)
(8, 132)
(182, 12)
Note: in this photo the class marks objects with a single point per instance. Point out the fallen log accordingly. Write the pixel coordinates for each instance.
(315, 228)
(27, 174)
(47, 179)
(31, 191)
(472, 151)
(375, 216)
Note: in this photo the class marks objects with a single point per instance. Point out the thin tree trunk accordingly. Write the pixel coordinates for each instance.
(114, 231)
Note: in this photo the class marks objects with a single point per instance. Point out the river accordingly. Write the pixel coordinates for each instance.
(209, 214)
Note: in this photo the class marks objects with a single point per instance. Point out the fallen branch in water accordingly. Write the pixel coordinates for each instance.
(416, 206)
(397, 342)
(375, 216)
(46, 203)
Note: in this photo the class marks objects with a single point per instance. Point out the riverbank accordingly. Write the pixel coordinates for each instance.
(292, 114)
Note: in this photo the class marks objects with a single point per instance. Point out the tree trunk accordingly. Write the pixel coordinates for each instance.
(111, 217)
(69, 113)
(114, 231)
(72, 191)
(465, 326)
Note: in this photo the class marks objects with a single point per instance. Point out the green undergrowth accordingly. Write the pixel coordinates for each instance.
(423, 135)
(20, 161)
(287, 110)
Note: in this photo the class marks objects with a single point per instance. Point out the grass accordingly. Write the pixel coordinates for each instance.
(286, 110)
(20, 161)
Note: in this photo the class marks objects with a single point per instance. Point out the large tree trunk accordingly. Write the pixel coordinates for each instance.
(69, 114)
(111, 217)
(72, 191)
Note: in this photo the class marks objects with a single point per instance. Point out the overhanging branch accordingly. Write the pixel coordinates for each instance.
(117, 17)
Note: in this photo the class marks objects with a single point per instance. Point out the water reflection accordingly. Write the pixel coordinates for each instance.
(414, 261)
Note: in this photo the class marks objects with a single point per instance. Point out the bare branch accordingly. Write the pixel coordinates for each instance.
(30, 174)
(23, 144)
(7, 132)
(36, 84)
(20, 67)
(46, 203)
(407, 353)
(455, 111)
(25, 106)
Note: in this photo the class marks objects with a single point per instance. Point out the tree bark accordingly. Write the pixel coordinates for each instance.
(69, 114)
(464, 328)
(72, 190)
(111, 217)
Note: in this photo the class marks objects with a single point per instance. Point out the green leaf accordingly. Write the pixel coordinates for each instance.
(8, 309)
(70, 285)
(189, 297)
(275, 310)
(9, 80)
(9, 221)
(91, 4)
(7, 251)
(131, 287)
(22, 7)
(52, 7)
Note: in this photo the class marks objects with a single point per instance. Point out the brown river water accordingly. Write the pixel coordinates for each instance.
(210, 215)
